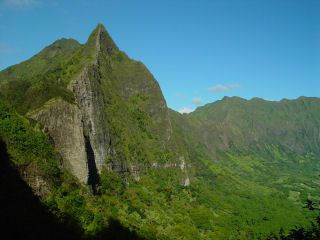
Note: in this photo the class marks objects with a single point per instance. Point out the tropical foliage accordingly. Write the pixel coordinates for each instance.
(252, 164)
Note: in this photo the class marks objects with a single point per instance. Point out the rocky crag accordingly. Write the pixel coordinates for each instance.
(107, 89)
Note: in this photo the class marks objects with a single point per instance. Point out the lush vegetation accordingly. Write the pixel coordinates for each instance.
(29, 85)
(27, 146)
(252, 164)
(222, 201)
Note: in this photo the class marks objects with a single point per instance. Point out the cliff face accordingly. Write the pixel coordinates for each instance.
(86, 89)
(109, 88)
(63, 124)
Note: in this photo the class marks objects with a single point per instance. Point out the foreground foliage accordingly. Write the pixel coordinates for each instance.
(218, 204)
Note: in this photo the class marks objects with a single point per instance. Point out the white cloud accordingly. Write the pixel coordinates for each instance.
(178, 95)
(21, 3)
(221, 88)
(185, 110)
(197, 100)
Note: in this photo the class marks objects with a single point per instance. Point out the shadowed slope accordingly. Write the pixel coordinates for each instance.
(24, 217)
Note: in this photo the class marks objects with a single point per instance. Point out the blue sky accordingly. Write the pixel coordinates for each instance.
(199, 51)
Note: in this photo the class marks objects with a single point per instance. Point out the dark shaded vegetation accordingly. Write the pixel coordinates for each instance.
(23, 216)
(64, 212)
(27, 145)
(305, 233)
(116, 231)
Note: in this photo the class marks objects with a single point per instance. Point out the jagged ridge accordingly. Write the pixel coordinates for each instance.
(98, 89)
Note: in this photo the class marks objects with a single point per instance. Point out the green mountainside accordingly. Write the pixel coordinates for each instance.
(32, 82)
(290, 123)
(87, 139)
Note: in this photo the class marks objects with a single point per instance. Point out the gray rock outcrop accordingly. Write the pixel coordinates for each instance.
(79, 130)
(63, 124)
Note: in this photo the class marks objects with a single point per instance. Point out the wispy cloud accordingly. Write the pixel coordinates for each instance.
(6, 49)
(178, 95)
(221, 88)
(21, 3)
(197, 100)
(185, 110)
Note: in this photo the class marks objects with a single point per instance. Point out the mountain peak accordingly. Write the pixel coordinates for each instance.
(101, 40)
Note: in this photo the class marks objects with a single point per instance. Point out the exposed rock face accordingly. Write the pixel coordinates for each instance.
(77, 130)
(183, 167)
(63, 123)
(80, 131)
(86, 90)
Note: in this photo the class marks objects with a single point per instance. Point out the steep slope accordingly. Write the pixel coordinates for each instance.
(256, 137)
(39, 200)
(98, 107)
(88, 114)
(246, 149)
(22, 208)
(272, 144)
(293, 124)
(31, 83)
(48, 58)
